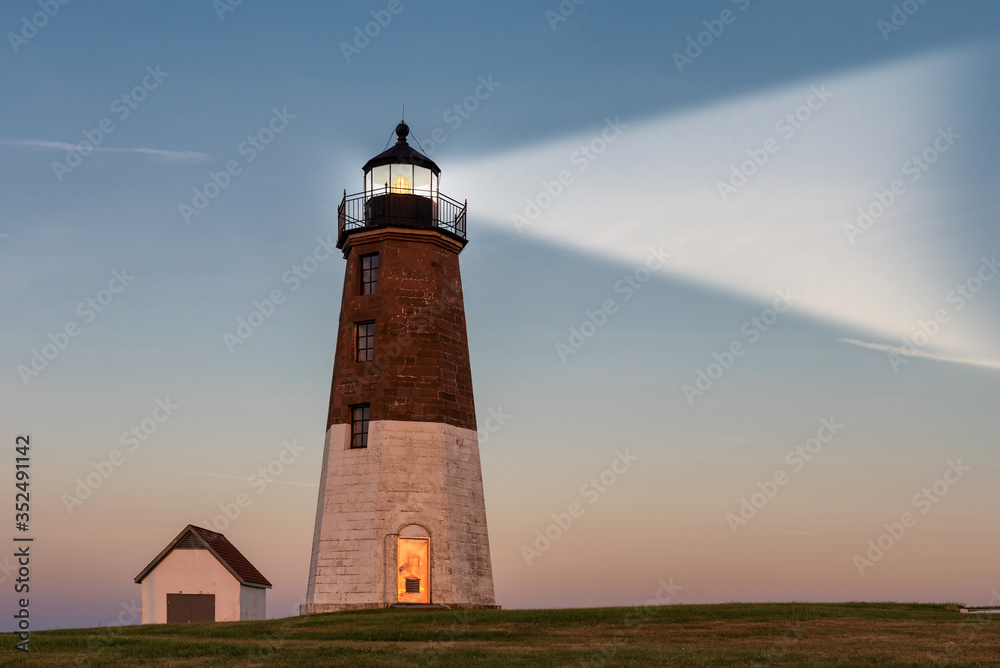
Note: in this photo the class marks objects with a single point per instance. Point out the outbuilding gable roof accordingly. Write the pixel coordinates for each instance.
(221, 549)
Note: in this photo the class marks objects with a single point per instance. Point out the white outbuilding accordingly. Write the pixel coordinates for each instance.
(201, 577)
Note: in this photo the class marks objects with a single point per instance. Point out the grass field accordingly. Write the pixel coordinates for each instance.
(737, 634)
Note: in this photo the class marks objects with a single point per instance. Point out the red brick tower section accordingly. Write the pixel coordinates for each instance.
(420, 369)
(401, 518)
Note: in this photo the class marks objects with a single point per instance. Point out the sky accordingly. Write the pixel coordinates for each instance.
(729, 285)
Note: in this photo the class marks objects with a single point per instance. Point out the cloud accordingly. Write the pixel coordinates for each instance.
(913, 352)
(158, 154)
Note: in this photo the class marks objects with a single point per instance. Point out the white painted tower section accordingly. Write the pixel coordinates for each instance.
(413, 479)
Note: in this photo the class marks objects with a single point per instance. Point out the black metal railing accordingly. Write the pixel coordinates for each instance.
(384, 207)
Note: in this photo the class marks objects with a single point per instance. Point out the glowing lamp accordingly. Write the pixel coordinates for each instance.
(401, 185)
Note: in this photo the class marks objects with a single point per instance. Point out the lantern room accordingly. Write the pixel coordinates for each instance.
(401, 170)
(401, 188)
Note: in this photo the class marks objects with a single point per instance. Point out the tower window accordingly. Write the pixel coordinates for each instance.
(369, 273)
(359, 426)
(366, 341)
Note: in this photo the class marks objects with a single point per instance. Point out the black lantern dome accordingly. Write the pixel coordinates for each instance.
(402, 169)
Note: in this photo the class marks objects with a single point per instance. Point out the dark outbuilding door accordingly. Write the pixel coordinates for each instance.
(184, 608)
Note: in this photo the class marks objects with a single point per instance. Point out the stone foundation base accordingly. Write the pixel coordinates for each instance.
(322, 608)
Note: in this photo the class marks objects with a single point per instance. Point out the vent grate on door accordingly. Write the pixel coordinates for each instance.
(412, 585)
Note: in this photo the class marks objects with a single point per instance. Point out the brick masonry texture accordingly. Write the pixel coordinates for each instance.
(421, 369)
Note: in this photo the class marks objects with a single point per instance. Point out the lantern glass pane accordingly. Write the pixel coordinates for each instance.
(401, 179)
(421, 181)
(380, 178)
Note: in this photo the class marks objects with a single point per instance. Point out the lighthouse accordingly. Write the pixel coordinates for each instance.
(401, 518)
